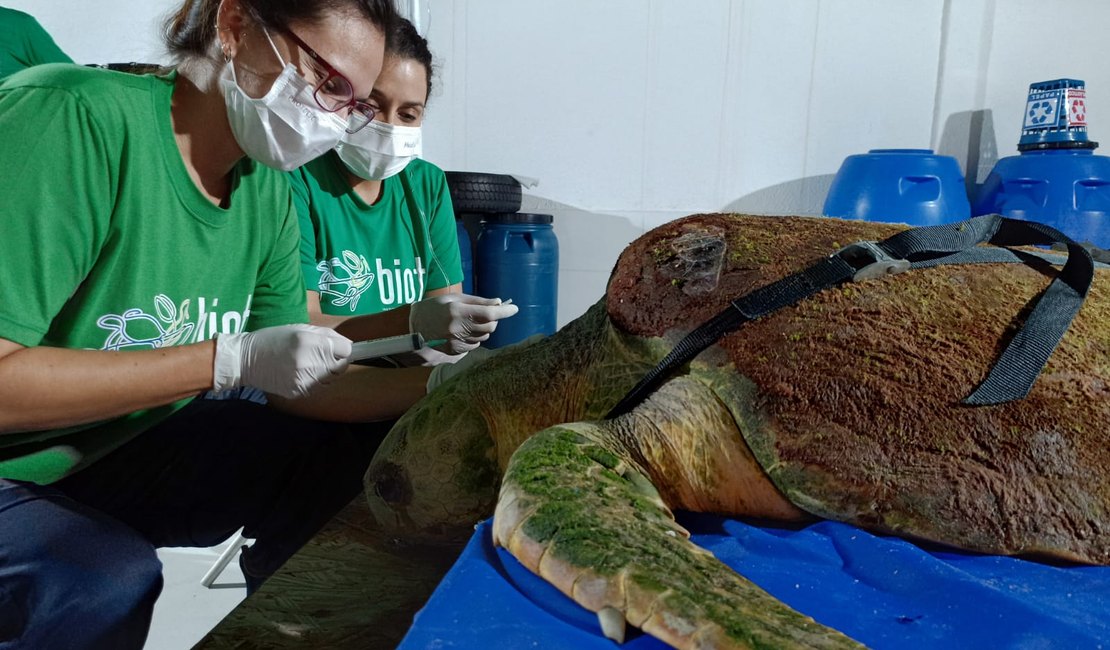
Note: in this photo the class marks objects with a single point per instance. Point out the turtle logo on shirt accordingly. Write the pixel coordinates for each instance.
(345, 280)
(135, 328)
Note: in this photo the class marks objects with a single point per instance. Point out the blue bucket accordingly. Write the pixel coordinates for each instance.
(913, 186)
(517, 258)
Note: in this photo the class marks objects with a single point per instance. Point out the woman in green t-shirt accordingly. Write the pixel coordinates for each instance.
(149, 247)
(379, 250)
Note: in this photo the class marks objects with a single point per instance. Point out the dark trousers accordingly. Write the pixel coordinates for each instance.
(77, 561)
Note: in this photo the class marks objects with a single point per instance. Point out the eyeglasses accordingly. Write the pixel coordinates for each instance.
(334, 92)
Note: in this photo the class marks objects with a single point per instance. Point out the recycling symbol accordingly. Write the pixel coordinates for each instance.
(1078, 112)
(1039, 112)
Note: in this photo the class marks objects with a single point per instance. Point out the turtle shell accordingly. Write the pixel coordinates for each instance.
(852, 398)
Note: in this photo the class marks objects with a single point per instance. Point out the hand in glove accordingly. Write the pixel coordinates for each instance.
(287, 360)
(463, 321)
(445, 371)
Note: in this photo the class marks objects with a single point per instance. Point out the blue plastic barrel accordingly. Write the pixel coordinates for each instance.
(913, 186)
(466, 257)
(517, 258)
(1068, 189)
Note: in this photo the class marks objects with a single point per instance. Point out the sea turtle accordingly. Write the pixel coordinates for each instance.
(846, 406)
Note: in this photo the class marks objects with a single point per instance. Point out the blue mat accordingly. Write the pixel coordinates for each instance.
(882, 591)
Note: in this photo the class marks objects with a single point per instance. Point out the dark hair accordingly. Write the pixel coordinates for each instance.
(191, 30)
(403, 41)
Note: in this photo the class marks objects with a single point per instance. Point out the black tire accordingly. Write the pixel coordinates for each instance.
(474, 192)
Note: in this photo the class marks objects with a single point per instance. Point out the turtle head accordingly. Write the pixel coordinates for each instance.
(436, 474)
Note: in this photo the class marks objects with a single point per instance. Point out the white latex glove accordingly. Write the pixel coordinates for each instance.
(287, 360)
(462, 320)
(468, 360)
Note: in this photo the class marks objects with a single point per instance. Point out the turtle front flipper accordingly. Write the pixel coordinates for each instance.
(577, 510)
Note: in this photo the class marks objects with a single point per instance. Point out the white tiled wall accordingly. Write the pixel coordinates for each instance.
(633, 112)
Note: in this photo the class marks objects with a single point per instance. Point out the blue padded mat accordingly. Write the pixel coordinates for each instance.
(882, 591)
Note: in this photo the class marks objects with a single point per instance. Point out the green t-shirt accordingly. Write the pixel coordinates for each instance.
(24, 43)
(365, 259)
(107, 244)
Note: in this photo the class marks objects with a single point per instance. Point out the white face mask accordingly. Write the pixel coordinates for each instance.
(379, 150)
(284, 129)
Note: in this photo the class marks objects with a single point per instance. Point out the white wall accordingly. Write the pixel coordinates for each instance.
(634, 112)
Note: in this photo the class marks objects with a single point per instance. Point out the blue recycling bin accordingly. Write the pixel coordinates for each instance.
(913, 186)
(517, 258)
(1056, 179)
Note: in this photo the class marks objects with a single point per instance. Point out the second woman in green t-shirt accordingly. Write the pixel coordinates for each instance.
(379, 250)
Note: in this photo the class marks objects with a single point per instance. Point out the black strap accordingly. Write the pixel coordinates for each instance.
(1012, 374)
